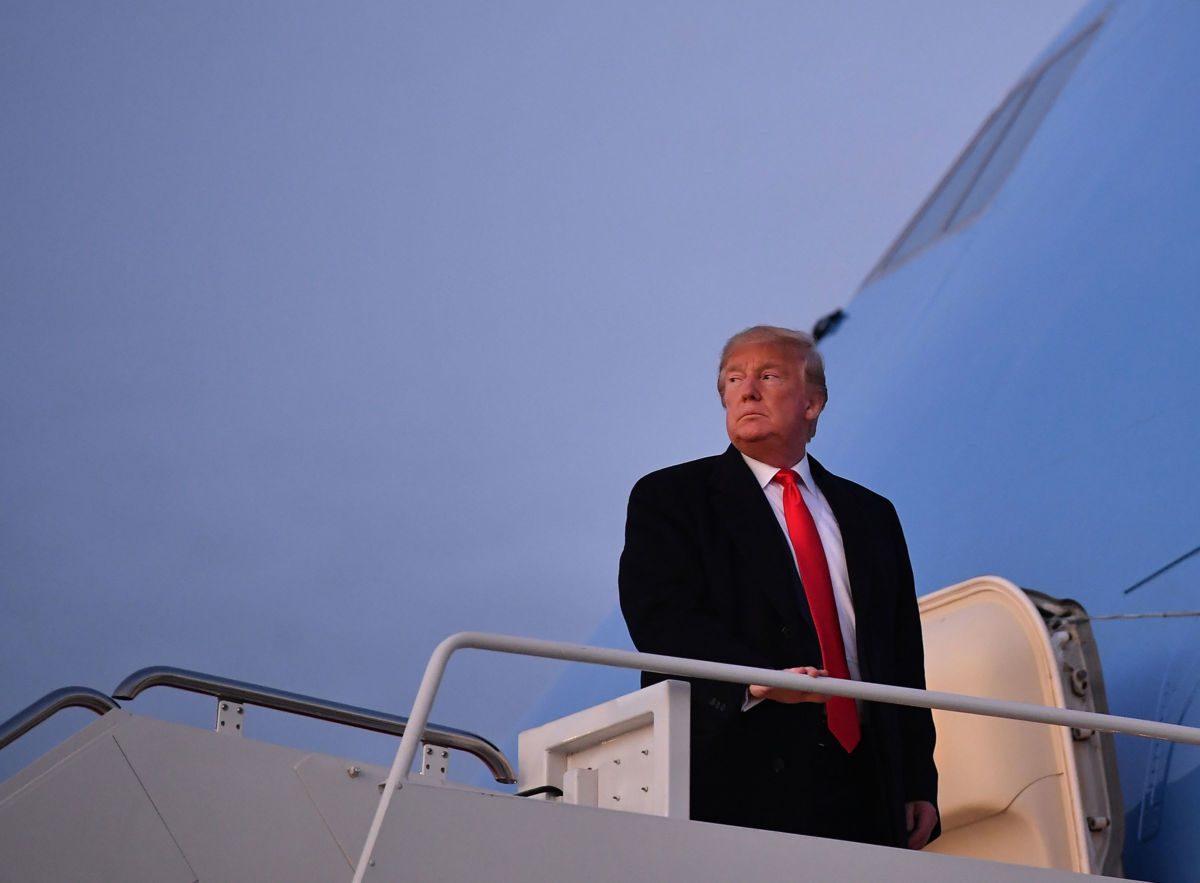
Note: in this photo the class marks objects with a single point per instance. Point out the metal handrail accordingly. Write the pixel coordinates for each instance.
(242, 692)
(51, 704)
(735, 674)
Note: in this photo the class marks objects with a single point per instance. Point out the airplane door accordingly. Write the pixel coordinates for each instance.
(1010, 790)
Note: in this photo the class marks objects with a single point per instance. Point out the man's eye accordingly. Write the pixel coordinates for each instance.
(768, 375)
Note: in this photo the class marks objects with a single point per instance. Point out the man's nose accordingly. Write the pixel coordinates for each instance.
(750, 388)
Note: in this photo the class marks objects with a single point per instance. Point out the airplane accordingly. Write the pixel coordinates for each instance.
(1019, 374)
(1015, 374)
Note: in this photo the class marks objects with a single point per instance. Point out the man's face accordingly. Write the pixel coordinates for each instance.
(769, 407)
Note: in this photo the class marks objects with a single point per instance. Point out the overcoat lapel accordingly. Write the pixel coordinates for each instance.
(740, 504)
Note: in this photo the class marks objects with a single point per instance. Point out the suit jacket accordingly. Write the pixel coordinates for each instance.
(707, 574)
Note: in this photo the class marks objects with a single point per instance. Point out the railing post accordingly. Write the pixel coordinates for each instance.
(409, 743)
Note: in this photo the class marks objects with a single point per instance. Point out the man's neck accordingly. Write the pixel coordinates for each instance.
(772, 455)
(764, 473)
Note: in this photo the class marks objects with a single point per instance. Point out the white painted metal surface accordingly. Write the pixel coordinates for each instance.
(444, 834)
(638, 746)
(87, 816)
(131, 799)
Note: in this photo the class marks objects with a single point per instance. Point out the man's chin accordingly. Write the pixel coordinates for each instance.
(752, 428)
(744, 440)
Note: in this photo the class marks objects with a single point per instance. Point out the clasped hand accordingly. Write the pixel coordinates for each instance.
(791, 697)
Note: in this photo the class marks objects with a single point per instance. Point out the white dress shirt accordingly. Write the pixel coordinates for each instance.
(831, 540)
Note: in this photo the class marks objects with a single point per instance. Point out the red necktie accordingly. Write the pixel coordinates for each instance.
(814, 573)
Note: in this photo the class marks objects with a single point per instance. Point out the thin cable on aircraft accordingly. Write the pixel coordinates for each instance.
(1165, 615)
(1162, 570)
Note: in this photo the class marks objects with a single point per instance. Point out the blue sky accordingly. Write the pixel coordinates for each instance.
(329, 330)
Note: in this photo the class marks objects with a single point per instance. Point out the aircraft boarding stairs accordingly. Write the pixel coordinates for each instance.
(130, 798)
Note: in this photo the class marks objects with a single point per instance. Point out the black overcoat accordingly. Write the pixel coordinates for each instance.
(707, 574)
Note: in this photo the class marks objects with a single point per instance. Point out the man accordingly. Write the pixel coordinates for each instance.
(722, 562)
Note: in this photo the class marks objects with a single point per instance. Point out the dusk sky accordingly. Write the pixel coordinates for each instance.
(328, 330)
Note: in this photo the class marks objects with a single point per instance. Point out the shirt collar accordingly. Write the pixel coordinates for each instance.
(764, 473)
